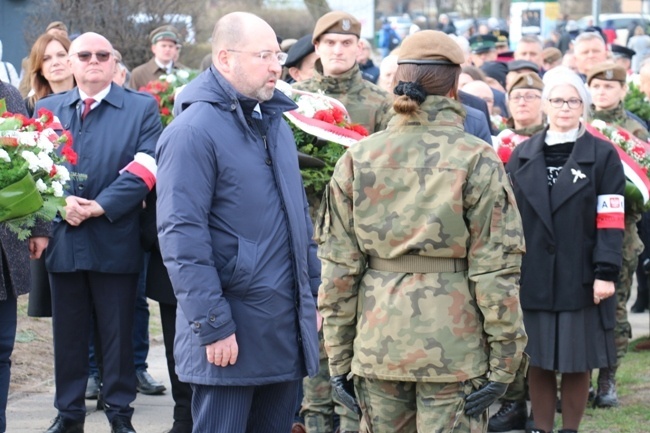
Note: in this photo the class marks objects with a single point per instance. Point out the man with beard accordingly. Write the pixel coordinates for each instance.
(235, 236)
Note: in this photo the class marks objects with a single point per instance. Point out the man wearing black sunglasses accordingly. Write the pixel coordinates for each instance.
(95, 255)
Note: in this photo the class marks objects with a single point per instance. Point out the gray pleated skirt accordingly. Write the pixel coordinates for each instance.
(569, 341)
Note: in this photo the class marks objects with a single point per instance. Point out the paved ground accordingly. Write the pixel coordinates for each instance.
(33, 412)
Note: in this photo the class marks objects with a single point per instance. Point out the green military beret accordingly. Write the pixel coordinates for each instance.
(336, 22)
(607, 71)
(430, 47)
(165, 33)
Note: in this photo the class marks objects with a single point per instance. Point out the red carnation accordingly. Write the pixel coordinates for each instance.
(53, 171)
(69, 154)
(359, 129)
(338, 115)
(504, 153)
(165, 111)
(624, 134)
(324, 116)
(45, 116)
(506, 140)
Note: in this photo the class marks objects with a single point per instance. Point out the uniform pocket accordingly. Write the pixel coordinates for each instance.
(505, 225)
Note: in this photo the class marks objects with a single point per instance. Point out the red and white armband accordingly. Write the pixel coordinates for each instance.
(610, 212)
(144, 166)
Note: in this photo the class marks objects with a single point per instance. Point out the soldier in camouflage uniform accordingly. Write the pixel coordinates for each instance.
(337, 74)
(607, 85)
(336, 40)
(421, 245)
(526, 120)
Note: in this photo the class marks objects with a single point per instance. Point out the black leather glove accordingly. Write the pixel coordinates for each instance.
(478, 401)
(344, 389)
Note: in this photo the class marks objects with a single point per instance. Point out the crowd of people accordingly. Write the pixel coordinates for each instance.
(476, 248)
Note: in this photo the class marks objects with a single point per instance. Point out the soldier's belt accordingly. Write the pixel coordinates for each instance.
(415, 264)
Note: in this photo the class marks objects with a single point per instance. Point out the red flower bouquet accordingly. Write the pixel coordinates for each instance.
(165, 90)
(32, 174)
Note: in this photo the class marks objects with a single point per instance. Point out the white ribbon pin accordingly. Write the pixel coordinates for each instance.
(577, 174)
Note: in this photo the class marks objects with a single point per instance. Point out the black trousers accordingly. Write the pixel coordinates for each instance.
(181, 391)
(112, 296)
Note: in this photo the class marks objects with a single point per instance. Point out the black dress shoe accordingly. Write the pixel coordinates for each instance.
(147, 384)
(65, 425)
(511, 416)
(638, 308)
(181, 427)
(92, 387)
(121, 424)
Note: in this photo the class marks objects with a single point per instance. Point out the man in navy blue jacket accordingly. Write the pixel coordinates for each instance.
(94, 255)
(235, 236)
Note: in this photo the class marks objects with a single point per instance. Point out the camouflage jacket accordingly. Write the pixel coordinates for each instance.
(367, 103)
(632, 244)
(430, 189)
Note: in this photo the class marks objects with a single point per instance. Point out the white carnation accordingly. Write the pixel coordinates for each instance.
(45, 144)
(171, 78)
(598, 124)
(58, 188)
(27, 139)
(62, 174)
(40, 185)
(4, 155)
(45, 161)
(31, 159)
(183, 74)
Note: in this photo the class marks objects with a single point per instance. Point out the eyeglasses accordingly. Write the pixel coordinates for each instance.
(527, 98)
(85, 56)
(266, 56)
(573, 103)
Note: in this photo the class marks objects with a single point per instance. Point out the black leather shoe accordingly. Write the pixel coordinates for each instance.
(92, 387)
(121, 424)
(65, 425)
(638, 308)
(511, 416)
(181, 427)
(147, 384)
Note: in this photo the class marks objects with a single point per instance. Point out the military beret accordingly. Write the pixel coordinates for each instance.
(430, 47)
(299, 51)
(607, 71)
(621, 51)
(164, 33)
(551, 54)
(521, 65)
(529, 80)
(502, 36)
(336, 22)
(482, 43)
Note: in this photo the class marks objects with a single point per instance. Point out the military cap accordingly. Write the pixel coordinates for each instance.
(521, 65)
(502, 37)
(621, 51)
(496, 70)
(430, 47)
(551, 54)
(336, 22)
(299, 51)
(529, 80)
(607, 71)
(505, 56)
(482, 43)
(286, 44)
(165, 33)
(59, 25)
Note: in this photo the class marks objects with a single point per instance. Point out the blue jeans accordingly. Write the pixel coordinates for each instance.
(140, 328)
(7, 338)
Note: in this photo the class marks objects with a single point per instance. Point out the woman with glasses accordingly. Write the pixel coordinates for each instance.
(50, 72)
(607, 86)
(569, 188)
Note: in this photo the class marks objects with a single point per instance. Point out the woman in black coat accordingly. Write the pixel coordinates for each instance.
(14, 272)
(569, 188)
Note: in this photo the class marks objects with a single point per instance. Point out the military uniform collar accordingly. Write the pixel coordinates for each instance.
(337, 85)
(616, 115)
(439, 110)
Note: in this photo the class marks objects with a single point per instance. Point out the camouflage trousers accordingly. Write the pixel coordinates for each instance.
(319, 405)
(410, 407)
(623, 329)
(518, 389)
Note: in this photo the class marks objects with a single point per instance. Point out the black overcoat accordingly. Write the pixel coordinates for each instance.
(563, 245)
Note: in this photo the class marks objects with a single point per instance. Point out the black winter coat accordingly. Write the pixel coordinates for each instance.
(563, 245)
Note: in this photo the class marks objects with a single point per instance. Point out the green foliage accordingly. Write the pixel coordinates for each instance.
(635, 101)
(315, 179)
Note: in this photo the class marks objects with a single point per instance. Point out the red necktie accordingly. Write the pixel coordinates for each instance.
(87, 103)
